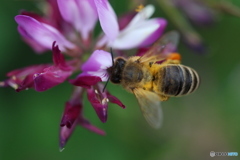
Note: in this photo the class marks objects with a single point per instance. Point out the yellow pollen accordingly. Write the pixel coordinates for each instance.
(139, 8)
(13, 85)
(105, 100)
(14, 77)
(2, 83)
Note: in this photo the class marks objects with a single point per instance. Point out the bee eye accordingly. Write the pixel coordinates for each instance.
(116, 79)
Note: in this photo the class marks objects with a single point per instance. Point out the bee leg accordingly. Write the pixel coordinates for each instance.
(163, 98)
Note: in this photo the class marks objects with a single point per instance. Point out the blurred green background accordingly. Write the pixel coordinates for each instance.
(205, 121)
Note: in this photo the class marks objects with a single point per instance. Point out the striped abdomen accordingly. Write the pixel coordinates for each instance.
(178, 80)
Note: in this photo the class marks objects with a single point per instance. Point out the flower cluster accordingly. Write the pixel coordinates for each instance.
(67, 29)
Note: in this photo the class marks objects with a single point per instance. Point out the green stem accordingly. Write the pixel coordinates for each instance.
(180, 21)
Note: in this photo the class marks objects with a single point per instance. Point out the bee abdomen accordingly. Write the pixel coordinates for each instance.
(178, 80)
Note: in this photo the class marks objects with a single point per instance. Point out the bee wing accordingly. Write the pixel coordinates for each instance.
(150, 106)
(160, 49)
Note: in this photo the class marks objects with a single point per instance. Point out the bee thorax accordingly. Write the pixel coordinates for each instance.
(132, 74)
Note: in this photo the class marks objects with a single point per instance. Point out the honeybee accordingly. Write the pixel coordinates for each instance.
(155, 76)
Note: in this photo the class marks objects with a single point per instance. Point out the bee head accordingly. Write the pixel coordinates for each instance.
(115, 71)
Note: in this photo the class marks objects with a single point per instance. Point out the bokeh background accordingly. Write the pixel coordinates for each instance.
(208, 120)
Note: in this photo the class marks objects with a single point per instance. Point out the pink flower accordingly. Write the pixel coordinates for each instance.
(67, 28)
(55, 74)
(73, 116)
(85, 80)
(95, 67)
(99, 100)
(41, 33)
(40, 77)
(80, 13)
(22, 79)
(140, 31)
(97, 64)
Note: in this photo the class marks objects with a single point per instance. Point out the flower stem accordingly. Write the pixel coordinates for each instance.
(180, 22)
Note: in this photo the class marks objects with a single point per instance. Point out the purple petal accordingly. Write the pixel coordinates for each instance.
(73, 116)
(157, 33)
(107, 18)
(58, 58)
(70, 114)
(99, 101)
(35, 16)
(125, 19)
(143, 15)
(31, 42)
(35, 46)
(23, 72)
(88, 17)
(21, 79)
(98, 60)
(53, 75)
(80, 13)
(41, 33)
(69, 10)
(141, 34)
(86, 124)
(64, 134)
(115, 100)
(26, 83)
(54, 15)
(97, 64)
(85, 81)
(73, 108)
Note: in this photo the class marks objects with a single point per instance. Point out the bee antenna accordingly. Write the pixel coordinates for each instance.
(105, 85)
(111, 51)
